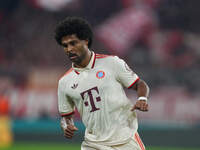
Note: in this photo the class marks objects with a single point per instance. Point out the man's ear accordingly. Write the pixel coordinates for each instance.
(87, 41)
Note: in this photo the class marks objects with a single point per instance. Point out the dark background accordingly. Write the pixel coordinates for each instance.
(161, 46)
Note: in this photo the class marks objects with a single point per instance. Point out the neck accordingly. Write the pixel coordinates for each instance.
(85, 61)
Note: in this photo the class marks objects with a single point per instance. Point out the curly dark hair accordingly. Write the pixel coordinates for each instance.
(74, 25)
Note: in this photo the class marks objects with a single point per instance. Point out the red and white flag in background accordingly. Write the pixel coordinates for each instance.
(123, 30)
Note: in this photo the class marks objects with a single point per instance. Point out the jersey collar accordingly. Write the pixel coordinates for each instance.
(89, 66)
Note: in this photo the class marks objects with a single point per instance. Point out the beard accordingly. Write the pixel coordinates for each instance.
(77, 59)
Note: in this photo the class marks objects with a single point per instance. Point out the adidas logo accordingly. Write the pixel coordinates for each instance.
(74, 86)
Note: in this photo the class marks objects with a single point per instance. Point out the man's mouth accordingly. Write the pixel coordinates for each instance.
(72, 56)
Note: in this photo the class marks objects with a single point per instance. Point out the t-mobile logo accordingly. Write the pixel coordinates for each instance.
(91, 98)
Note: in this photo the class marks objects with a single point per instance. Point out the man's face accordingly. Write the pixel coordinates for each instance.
(75, 48)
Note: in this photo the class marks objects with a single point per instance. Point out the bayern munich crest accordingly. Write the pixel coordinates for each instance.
(100, 74)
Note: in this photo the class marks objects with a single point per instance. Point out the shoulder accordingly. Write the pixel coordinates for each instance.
(65, 76)
(106, 58)
(100, 56)
(109, 60)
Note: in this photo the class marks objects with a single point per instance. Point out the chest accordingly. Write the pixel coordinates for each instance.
(93, 89)
(90, 82)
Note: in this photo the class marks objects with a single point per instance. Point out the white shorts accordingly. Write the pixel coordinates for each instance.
(134, 144)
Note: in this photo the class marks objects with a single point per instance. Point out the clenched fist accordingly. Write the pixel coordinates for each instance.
(68, 127)
(69, 131)
(140, 105)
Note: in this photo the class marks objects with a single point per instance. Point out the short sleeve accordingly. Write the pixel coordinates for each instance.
(124, 74)
(65, 104)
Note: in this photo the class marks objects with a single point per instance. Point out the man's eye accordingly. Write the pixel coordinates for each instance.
(73, 43)
(65, 45)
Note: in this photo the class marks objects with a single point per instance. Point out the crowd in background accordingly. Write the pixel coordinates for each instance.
(165, 54)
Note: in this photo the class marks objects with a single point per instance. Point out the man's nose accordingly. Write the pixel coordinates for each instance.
(69, 48)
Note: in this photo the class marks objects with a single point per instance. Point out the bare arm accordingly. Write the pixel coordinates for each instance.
(143, 93)
(68, 127)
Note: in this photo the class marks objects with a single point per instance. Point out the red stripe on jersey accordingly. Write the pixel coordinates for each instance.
(99, 54)
(67, 114)
(70, 70)
(102, 55)
(133, 83)
(76, 72)
(94, 61)
(139, 141)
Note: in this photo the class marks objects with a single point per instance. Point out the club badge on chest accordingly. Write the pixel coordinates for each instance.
(100, 74)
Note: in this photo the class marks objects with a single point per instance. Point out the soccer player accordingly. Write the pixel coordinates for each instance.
(95, 86)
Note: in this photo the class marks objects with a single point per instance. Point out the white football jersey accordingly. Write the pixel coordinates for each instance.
(97, 93)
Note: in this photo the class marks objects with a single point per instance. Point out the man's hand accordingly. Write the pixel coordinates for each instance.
(69, 131)
(68, 127)
(140, 105)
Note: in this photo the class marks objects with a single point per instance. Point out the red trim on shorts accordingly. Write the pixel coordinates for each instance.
(139, 141)
(67, 114)
(133, 83)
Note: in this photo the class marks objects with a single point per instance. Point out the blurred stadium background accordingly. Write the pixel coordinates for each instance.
(159, 39)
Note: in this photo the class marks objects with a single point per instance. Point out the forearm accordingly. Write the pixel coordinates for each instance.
(67, 124)
(142, 88)
(66, 120)
(143, 93)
